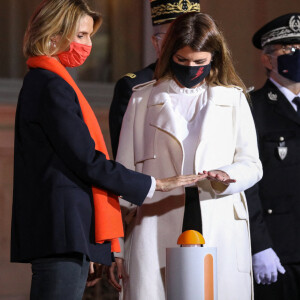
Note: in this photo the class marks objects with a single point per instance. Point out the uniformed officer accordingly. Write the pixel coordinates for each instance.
(274, 203)
(163, 13)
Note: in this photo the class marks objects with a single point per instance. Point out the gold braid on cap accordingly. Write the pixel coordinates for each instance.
(182, 6)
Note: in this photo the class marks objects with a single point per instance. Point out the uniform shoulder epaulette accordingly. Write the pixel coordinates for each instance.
(130, 75)
(143, 85)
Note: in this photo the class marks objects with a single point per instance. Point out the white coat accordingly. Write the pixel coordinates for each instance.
(151, 143)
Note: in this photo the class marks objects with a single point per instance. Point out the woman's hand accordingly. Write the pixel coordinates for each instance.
(168, 184)
(219, 180)
(117, 267)
(219, 176)
(95, 274)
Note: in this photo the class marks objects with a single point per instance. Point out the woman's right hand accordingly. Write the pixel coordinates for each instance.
(170, 183)
(219, 180)
(117, 268)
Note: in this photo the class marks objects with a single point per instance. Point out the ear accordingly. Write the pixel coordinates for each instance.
(266, 61)
(55, 39)
(155, 45)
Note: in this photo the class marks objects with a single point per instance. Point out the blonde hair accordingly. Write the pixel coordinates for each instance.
(200, 33)
(52, 18)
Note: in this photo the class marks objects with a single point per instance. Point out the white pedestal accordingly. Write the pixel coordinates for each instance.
(191, 273)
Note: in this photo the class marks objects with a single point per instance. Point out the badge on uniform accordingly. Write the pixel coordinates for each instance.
(272, 96)
(282, 149)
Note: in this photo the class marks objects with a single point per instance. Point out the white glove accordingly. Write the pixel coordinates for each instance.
(266, 265)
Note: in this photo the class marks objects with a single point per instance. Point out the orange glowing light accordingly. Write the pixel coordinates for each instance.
(191, 237)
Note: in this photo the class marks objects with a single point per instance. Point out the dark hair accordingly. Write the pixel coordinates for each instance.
(200, 33)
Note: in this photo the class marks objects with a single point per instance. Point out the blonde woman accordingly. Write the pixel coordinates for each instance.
(193, 118)
(65, 215)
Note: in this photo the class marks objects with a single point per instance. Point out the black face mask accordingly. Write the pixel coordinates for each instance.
(189, 76)
(289, 66)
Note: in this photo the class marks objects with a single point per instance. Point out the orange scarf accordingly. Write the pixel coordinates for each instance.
(108, 220)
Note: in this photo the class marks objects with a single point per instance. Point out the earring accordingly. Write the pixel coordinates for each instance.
(52, 44)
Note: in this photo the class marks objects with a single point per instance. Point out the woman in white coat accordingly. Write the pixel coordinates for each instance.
(194, 118)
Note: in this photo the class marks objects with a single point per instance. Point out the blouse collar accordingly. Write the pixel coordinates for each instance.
(185, 90)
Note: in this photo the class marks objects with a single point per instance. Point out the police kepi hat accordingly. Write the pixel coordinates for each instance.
(165, 11)
(282, 30)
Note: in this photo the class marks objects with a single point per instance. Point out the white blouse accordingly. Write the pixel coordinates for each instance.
(187, 105)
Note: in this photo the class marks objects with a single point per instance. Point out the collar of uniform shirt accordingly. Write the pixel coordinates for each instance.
(286, 92)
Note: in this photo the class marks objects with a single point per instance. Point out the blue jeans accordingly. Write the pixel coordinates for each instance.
(59, 277)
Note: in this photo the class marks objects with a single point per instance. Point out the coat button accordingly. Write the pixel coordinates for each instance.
(270, 211)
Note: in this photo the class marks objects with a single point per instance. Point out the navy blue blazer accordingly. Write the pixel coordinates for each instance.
(55, 167)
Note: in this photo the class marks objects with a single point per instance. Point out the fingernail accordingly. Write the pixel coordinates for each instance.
(120, 276)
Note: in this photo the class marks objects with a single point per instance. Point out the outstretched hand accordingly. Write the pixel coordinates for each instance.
(168, 184)
(219, 176)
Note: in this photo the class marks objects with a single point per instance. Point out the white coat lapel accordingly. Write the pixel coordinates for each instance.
(163, 116)
(212, 113)
(216, 118)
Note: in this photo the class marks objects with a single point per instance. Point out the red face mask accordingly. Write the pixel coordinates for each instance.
(75, 56)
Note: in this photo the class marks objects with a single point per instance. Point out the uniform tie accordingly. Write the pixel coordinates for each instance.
(296, 100)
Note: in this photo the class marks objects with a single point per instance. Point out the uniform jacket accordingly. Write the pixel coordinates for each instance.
(55, 166)
(151, 142)
(122, 94)
(274, 203)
